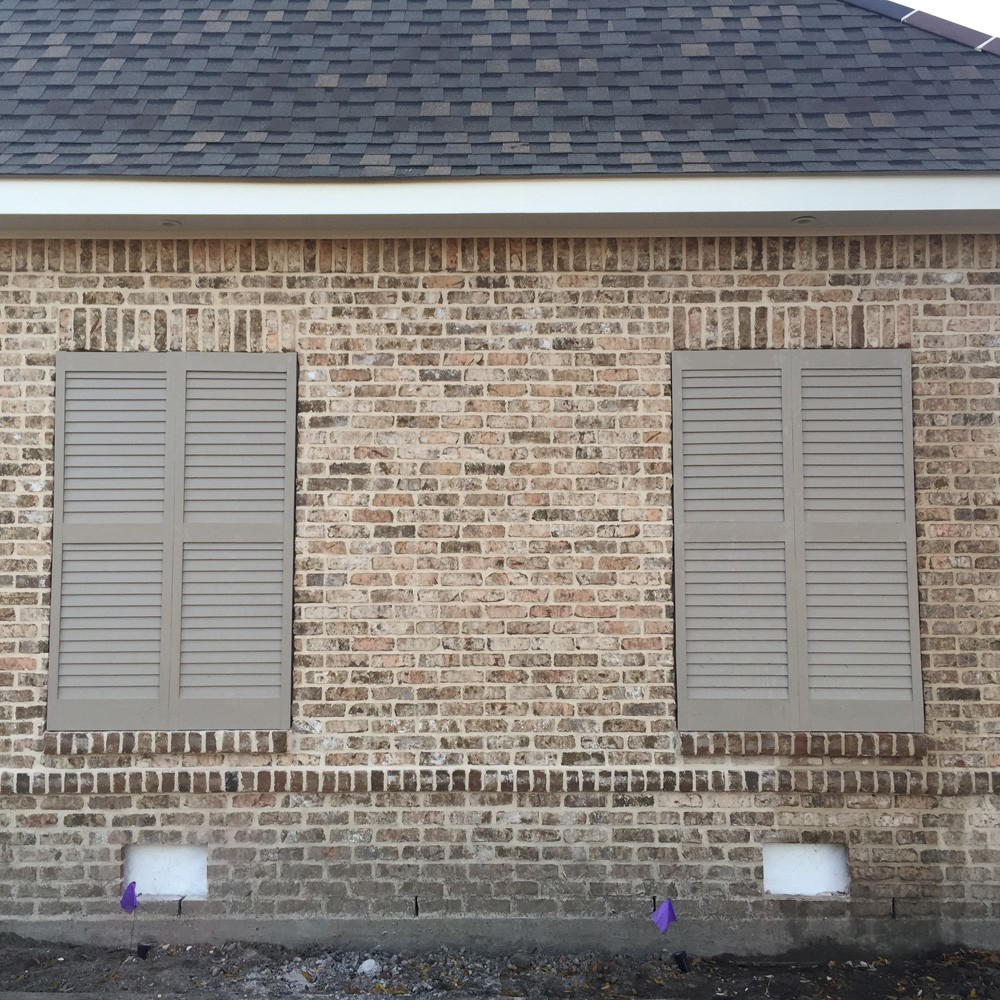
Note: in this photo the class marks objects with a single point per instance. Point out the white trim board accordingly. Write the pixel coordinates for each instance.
(855, 204)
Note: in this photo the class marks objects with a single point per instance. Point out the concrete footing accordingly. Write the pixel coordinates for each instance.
(799, 939)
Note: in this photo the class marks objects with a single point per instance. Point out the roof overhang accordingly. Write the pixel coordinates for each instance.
(581, 206)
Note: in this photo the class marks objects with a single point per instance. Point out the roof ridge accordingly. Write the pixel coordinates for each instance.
(973, 38)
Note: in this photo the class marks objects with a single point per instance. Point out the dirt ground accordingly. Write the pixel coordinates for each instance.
(241, 970)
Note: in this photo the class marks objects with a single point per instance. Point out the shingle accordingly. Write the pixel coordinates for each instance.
(388, 88)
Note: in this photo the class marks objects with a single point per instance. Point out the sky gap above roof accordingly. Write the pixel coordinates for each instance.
(915, 17)
(397, 89)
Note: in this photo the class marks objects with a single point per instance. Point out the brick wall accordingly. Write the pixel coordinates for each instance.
(484, 703)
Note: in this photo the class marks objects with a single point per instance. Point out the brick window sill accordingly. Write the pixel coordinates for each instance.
(244, 741)
(907, 745)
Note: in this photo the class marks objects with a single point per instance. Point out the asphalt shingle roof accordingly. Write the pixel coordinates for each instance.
(423, 88)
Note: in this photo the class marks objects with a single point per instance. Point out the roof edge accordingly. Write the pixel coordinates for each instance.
(974, 38)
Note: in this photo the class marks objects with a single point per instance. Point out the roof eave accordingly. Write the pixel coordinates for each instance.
(586, 206)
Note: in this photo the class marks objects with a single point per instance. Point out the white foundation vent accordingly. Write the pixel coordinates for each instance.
(806, 869)
(167, 871)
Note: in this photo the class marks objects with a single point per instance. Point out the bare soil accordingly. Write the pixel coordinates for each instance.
(238, 970)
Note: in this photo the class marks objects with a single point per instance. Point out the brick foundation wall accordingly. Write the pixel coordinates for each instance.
(484, 709)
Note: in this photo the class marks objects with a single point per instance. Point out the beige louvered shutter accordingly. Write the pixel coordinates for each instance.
(860, 639)
(813, 627)
(234, 550)
(733, 541)
(111, 551)
(172, 563)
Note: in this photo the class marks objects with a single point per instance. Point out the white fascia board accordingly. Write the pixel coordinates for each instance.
(856, 204)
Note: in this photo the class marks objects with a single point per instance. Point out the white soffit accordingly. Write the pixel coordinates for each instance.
(605, 206)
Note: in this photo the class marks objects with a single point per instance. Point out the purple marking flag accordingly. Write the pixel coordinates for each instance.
(129, 901)
(663, 916)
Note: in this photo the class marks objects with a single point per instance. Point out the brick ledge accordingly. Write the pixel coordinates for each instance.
(246, 741)
(803, 744)
(711, 744)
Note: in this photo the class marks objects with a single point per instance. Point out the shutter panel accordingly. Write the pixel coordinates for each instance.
(732, 464)
(173, 541)
(231, 631)
(736, 621)
(235, 550)
(861, 629)
(109, 627)
(733, 445)
(853, 429)
(236, 446)
(110, 543)
(795, 561)
(114, 447)
(858, 623)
